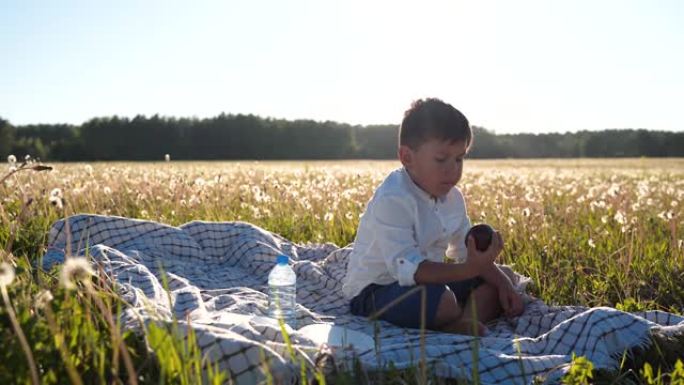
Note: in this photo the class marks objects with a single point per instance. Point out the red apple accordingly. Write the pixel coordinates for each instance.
(483, 234)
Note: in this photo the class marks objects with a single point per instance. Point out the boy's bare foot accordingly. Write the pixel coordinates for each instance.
(465, 326)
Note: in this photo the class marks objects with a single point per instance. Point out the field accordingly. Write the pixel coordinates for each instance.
(588, 232)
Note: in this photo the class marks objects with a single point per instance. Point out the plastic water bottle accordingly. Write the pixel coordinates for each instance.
(282, 291)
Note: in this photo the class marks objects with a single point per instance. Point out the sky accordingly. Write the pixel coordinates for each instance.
(510, 66)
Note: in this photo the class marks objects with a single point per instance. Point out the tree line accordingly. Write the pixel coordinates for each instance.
(229, 136)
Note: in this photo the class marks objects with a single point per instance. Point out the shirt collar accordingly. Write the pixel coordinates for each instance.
(417, 190)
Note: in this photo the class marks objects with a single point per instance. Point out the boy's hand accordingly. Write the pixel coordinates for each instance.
(511, 301)
(481, 260)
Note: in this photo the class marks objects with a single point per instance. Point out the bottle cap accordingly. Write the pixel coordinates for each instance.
(282, 259)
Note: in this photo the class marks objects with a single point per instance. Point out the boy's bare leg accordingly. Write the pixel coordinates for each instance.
(448, 310)
(451, 318)
(485, 299)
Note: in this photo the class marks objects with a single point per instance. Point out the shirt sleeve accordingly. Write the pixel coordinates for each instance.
(395, 238)
(457, 247)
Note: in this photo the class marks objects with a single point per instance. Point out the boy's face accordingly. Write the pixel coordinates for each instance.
(436, 165)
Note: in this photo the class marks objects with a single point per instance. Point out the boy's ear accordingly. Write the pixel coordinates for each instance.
(405, 155)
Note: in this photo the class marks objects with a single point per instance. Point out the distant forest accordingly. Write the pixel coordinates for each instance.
(252, 137)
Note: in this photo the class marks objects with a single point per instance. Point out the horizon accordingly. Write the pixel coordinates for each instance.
(352, 125)
(532, 66)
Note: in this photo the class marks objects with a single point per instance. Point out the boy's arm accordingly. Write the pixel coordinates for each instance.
(493, 275)
(456, 249)
(393, 234)
(443, 273)
(510, 300)
(477, 263)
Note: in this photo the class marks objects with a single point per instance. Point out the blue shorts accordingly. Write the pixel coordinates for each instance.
(407, 312)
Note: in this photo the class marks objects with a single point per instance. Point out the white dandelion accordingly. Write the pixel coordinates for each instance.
(6, 274)
(167, 157)
(57, 202)
(666, 215)
(12, 160)
(43, 299)
(75, 270)
(591, 243)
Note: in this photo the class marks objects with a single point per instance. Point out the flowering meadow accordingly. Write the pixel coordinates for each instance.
(601, 232)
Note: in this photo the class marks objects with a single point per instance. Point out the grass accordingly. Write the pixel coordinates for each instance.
(588, 232)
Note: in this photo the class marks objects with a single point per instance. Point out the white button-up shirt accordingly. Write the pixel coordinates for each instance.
(401, 227)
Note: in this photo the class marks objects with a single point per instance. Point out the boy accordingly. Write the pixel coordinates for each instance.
(417, 216)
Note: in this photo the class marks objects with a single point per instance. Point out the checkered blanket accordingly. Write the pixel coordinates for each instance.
(217, 285)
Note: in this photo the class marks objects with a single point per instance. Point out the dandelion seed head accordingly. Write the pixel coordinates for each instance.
(43, 299)
(167, 157)
(614, 190)
(56, 192)
(12, 160)
(57, 202)
(6, 274)
(75, 270)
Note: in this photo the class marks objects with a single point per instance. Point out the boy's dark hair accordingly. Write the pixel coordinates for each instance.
(433, 119)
